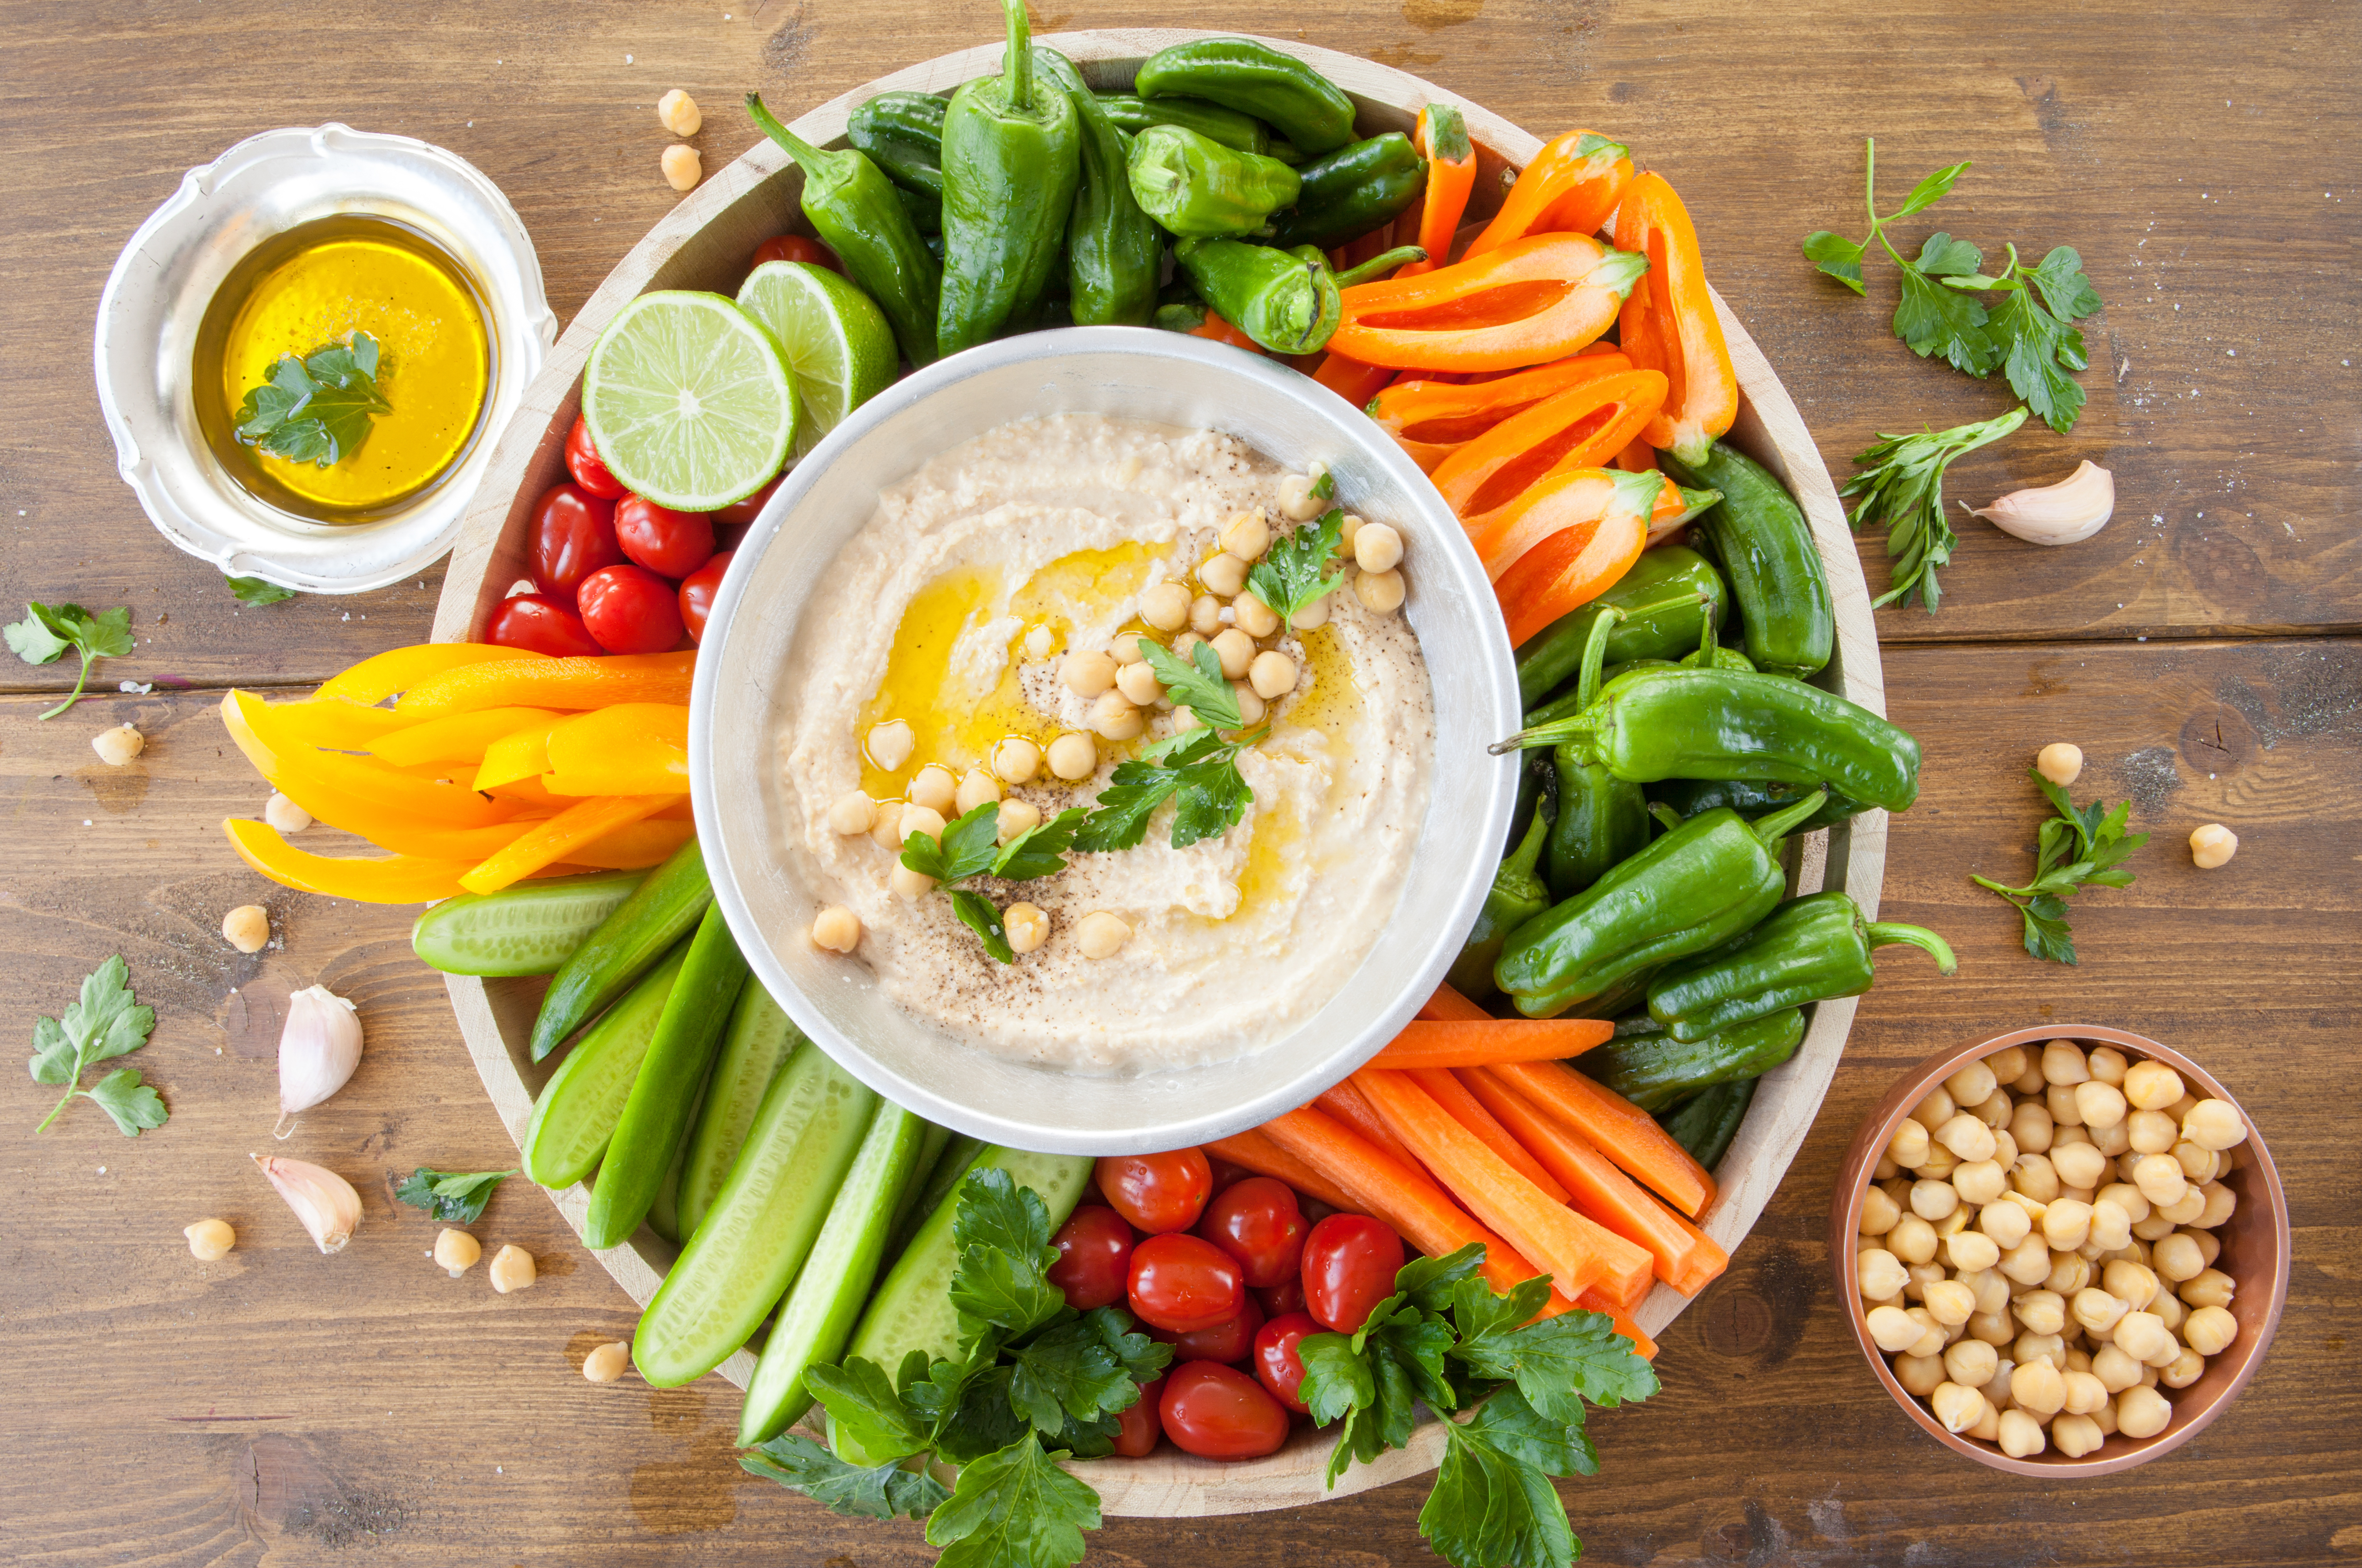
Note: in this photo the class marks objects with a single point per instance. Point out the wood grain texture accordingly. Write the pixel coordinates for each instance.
(282, 1408)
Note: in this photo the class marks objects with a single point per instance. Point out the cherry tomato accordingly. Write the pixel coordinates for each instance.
(545, 625)
(630, 610)
(669, 543)
(1138, 1430)
(1255, 1221)
(590, 470)
(573, 535)
(1219, 1412)
(1226, 1174)
(1349, 1261)
(1278, 1366)
(744, 511)
(1157, 1192)
(1094, 1256)
(1231, 1340)
(697, 591)
(1181, 1284)
(797, 248)
(1288, 1295)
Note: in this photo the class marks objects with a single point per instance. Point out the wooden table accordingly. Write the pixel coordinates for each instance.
(283, 1407)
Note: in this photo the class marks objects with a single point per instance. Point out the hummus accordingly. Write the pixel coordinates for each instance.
(951, 613)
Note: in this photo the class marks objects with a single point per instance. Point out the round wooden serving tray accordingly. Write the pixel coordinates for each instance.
(704, 243)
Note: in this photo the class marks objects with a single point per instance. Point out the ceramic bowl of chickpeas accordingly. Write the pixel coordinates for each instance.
(2064, 1249)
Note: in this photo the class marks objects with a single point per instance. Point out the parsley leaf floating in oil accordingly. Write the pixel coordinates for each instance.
(316, 409)
(970, 846)
(1901, 487)
(105, 1021)
(48, 631)
(454, 1197)
(2079, 847)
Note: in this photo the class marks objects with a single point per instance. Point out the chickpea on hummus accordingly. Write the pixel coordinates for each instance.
(996, 634)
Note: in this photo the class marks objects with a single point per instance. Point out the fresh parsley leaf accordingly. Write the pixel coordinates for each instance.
(885, 1492)
(1941, 255)
(1484, 1318)
(2045, 920)
(1429, 1283)
(134, 1107)
(1493, 1505)
(1212, 797)
(1839, 257)
(985, 1419)
(2065, 289)
(2038, 351)
(317, 409)
(1938, 321)
(970, 847)
(1561, 1363)
(1088, 1439)
(1040, 850)
(1118, 818)
(454, 1197)
(2094, 837)
(1325, 487)
(1201, 771)
(32, 638)
(1002, 1231)
(105, 1021)
(48, 631)
(1014, 1509)
(1417, 1341)
(256, 589)
(1066, 1370)
(1901, 487)
(1928, 191)
(1295, 572)
(862, 1401)
(982, 916)
(1197, 686)
(1337, 1376)
(1142, 1358)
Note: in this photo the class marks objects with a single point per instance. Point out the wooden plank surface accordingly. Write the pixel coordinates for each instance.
(282, 1408)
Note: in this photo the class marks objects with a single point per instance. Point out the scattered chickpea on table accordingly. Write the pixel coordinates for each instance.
(607, 1362)
(247, 928)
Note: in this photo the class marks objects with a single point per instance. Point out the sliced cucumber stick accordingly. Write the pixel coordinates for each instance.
(658, 912)
(950, 1164)
(579, 1106)
(932, 1143)
(656, 1116)
(834, 1285)
(741, 1260)
(529, 928)
(664, 1214)
(760, 1040)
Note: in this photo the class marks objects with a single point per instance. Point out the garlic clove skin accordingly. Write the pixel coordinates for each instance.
(324, 1200)
(318, 1050)
(2066, 513)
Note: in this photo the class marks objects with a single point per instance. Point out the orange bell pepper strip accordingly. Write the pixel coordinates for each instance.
(1214, 328)
(1600, 531)
(377, 677)
(284, 759)
(1580, 428)
(1514, 530)
(462, 737)
(568, 684)
(558, 838)
(1442, 138)
(395, 879)
(1636, 458)
(1571, 187)
(635, 845)
(632, 749)
(1431, 420)
(1525, 303)
(1350, 378)
(1668, 321)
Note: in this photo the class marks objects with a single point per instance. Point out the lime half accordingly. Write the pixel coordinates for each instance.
(688, 402)
(839, 345)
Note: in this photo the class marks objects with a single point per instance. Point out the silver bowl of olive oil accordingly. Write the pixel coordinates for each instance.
(302, 353)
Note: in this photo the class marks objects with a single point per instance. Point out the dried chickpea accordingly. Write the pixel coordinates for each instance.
(456, 1251)
(1297, 502)
(1979, 1182)
(2008, 1063)
(680, 167)
(1913, 1240)
(1028, 927)
(2111, 1225)
(2037, 1389)
(2028, 1263)
(1972, 1085)
(1922, 1276)
(1246, 535)
(2116, 1369)
(1967, 1137)
(210, 1240)
(2029, 1123)
(511, 1269)
(2142, 1412)
(2134, 1284)
(1205, 614)
(1993, 1327)
(117, 747)
(2035, 1177)
(2097, 1311)
(1972, 1363)
(1165, 605)
(1381, 592)
(2151, 1133)
(1252, 615)
(285, 814)
(1991, 1289)
(909, 884)
(1937, 1165)
(1100, 935)
(2208, 1331)
(2076, 1435)
(1935, 1109)
(2145, 1338)
(2151, 1085)
(1223, 574)
(2215, 1124)
(2061, 762)
(2066, 1224)
(1972, 1251)
(2112, 1140)
(975, 788)
(1016, 817)
(918, 819)
(2160, 1178)
(2209, 1287)
(852, 812)
(1919, 1374)
(2005, 1149)
(2221, 1204)
(1073, 757)
(1315, 613)
(837, 928)
(2085, 1392)
(1955, 1406)
(935, 788)
(1878, 1214)
(607, 1362)
(1951, 1302)
(247, 928)
(2079, 1165)
(2183, 1370)
(2031, 1348)
(2006, 1223)
(2100, 1105)
(1885, 1168)
(2031, 1081)
(2041, 1311)
(1880, 1274)
(2070, 1272)
(2063, 1062)
(2201, 1166)
(885, 833)
(2064, 1112)
(2212, 846)
(1016, 760)
(2192, 1208)
(1908, 1146)
(679, 113)
(1377, 547)
(2021, 1435)
(1892, 1328)
(1931, 1201)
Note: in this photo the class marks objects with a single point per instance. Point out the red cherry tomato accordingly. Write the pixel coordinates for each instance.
(1277, 1364)
(671, 544)
(797, 248)
(1157, 1192)
(1138, 1430)
(590, 470)
(1226, 1174)
(1230, 1341)
(1349, 1261)
(1288, 1295)
(545, 625)
(1181, 1284)
(1094, 1256)
(1255, 1221)
(1219, 1412)
(630, 610)
(746, 510)
(697, 591)
(573, 535)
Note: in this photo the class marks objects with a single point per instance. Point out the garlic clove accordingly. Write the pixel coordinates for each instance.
(318, 1050)
(324, 1200)
(2063, 513)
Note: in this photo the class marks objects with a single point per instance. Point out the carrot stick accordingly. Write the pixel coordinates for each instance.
(1475, 1043)
(1554, 1236)
(1592, 1301)
(1617, 1128)
(1687, 1259)
(568, 684)
(1447, 1006)
(1256, 1150)
(1464, 1107)
(1345, 1103)
(552, 840)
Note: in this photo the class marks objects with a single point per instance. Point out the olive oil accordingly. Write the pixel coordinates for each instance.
(319, 283)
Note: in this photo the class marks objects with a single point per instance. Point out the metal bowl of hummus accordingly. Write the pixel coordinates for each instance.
(934, 601)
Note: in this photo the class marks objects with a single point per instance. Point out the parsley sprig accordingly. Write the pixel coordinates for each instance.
(1034, 1381)
(2029, 336)
(454, 1197)
(104, 1021)
(2079, 847)
(48, 631)
(1197, 769)
(255, 591)
(1295, 572)
(1902, 486)
(316, 409)
(971, 847)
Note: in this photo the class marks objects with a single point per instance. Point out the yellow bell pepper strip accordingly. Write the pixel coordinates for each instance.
(1525, 303)
(1571, 187)
(1580, 428)
(1588, 527)
(375, 679)
(1431, 420)
(632, 749)
(395, 879)
(534, 800)
(635, 845)
(285, 760)
(570, 684)
(1669, 323)
(1442, 138)
(336, 725)
(559, 837)
(462, 737)
(519, 754)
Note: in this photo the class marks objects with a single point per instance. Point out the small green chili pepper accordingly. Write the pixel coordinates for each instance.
(1653, 1069)
(853, 208)
(1133, 115)
(1012, 156)
(1602, 819)
(1767, 550)
(1749, 797)
(1286, 302)
(926, 212)
(1810, 949)
(1198, 188)
(902, 133)
(1706, 1123)
(1669, 570)
(1517, 896)
(1113, 250)
(1353, 190)
(1254, 78)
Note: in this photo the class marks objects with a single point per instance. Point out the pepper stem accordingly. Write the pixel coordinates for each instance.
(1380, 265)
(1882, 934)
(1772, 828)
(1019, 64)
(803, 152)
(1529, 849)
(1665, 815)
(1587, 690)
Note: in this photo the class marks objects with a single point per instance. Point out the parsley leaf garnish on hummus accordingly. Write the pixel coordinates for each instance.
(1197, 684)
(970, 846)
(1201, 774)
(1298, 570)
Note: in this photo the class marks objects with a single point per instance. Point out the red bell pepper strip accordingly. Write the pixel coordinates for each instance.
(1432, 419)
(1525, 303)
(1571, 538)
(1580, 428)
(1571, 187)
(1442, 138)
(1668, 321)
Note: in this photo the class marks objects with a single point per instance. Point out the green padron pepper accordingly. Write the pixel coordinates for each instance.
(1810, 949)
(1708, 1121)
(902, 133)
(1749, 797)
(1254, 79)
(1113, 250)
(1517, 896)
(1133, 115)
(1675, 574)
(1767, 550)
(1286, 302)
(1653, 1070)
(1353, 190)
(1198, 188)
